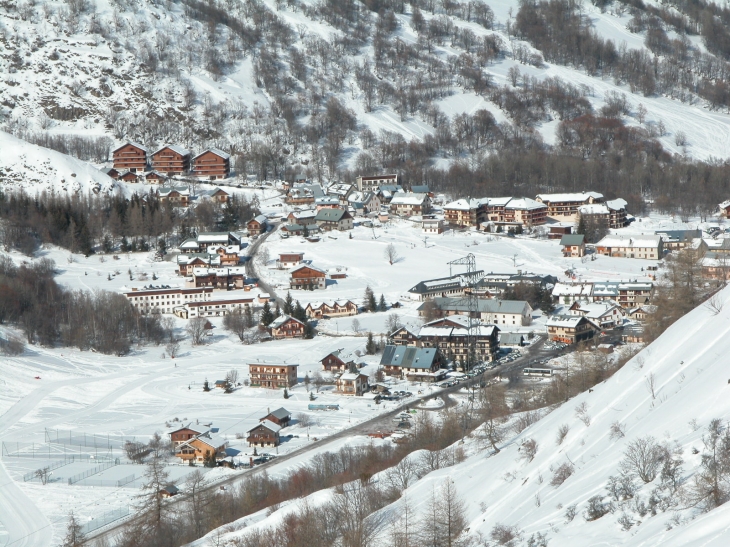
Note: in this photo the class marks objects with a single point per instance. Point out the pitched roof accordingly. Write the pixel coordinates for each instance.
(524, 204)
(484, 305)
(310, 267)
(566, 321)
(511, 338)
(132, 143)
(408, 357)
(331, 215)
(420, 189)
(268, 424)
(409, 199)
(175, 148)
(280, 413)
(572, 239)
(215, 151)
(279, 321)
(633, 241)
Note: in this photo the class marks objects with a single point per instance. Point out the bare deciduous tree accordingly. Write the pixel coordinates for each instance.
(643, 458)
(196, 329)
(391, 254)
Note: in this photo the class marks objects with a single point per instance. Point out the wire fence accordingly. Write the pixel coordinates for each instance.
(103, 520)
(88, 440)
(93, 471)
(50, 467)
(109, 482)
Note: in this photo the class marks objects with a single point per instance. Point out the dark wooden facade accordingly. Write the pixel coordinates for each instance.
(272, 376)
(173, 160)
(212, 164)
(129, 156)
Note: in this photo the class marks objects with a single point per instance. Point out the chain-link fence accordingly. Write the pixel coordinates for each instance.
(106, 518)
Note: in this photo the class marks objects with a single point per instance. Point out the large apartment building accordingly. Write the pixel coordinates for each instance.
(165, 299)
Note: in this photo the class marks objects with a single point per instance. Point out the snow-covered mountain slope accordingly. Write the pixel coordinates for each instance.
(690, 370)
(205, 74)
(35, 169)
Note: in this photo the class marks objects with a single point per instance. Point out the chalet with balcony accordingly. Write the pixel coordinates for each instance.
(334, 219)
(184, 434)
(338, 308)
(565, 207)
(202, 448)
(648, 247)
(374, 182)
(570, 329)
(574, 245)
(257, 225)
(272, 376)
(130, 157)
(264, 434)
(308, 278)
(212, 164)
(611, 214)
(405, 361)
(353, 384)
(178, 196)
(289, 260)
(172, 160)
(286, 326)
(407, 205)
(336, 362)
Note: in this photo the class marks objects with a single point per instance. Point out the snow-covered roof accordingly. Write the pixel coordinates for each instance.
(594, 209)
(213, 237)
(310, 267)
(524, 204)
(594, 310)
(132, 143)
(634, 241)
(268, 424)
(215, 151)
(261, 219)
(572, 289)
(280, 413)
(409, 199)
(616, 204)
(175, 148)
(464, 204)
(307, 213)
(351, 376)
(189, 244)
(279, 321)
(215, 441)
(578, 197)
(566, 321)
(725, 204)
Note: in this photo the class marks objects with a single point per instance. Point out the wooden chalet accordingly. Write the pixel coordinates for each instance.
(333, 362)
(286, 326)
(171, 159)
(289, 260)
(178, 196)
(338, 308)
(129, 176)
(130, 157)
(570, 329)
(154, 177)
(404, 361)
(212, 164)
(280, 417)
(219, 195)
(573, 245)
(201, 448)
(169, 491)
(264, 434)
(272, 376)
(353, 384)
(111, 172)
(184, 434)
(308, 278)
(257, 225)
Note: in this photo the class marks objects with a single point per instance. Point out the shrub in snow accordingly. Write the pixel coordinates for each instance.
(596, 508)
(617, 431)
(528, 450)
(561, 474)
(643, 458)
(505, 535)
(570, 513)
(562, 433)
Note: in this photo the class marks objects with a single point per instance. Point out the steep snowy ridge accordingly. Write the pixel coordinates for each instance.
(689, 364)
(36, 169)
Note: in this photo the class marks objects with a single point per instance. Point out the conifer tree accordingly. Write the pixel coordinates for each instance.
(382, 306)
(266, 316)
(370, 346)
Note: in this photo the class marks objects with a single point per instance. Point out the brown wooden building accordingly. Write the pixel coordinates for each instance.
(129, 176)
(172, 159)
(308, 278)
(333, 362)
(212, 164)
(353, 384)
(202, 447)
(272, 376)
(570, 329)
(184, 434)
(281, 416)
(264, 434)
(130, 156)
(257, 225)
(285, 326)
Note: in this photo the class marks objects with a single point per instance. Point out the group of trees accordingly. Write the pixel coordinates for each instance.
(108, 223)
(49, 314)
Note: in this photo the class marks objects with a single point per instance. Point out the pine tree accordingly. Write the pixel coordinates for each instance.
(382, 306)
(306, 231)
(74, 535)
(248, 317)
(286, 393)
(308, 330)
(311, 395)
(546, 301)
(370, 303)
(277, 311)
(370, 346)
(288, 304)
(266, 316)
(299, 313)
(107, 244)
(581, 228)
(206, 387)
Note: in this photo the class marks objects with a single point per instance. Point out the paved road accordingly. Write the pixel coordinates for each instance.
(250, 265)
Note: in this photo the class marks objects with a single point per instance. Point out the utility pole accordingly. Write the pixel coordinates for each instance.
(470, 301)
